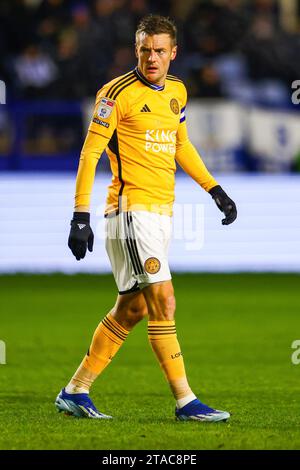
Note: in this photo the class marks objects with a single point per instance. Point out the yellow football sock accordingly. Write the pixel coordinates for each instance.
(163, 340)
(107, 340)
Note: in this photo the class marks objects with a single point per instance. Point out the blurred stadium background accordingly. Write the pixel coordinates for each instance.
(239, 60)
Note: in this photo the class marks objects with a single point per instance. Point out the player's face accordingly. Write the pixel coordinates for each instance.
(154, 55)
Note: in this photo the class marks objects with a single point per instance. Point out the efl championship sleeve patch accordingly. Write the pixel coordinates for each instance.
(105, 108)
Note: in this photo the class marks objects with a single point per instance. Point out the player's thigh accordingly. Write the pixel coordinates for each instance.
(160, 300)
(150, 233)
(120, 252)
(129, 309)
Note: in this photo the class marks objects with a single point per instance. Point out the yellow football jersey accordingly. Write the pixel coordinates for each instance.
(143, 128)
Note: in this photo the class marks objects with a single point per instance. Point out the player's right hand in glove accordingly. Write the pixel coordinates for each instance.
(81, 235)
(225, 204)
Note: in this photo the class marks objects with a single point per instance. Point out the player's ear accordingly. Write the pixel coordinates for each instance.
(136, 51)
(174, 52)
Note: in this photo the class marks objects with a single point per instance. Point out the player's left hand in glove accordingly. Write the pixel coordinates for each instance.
(225, 204)
(81, 235)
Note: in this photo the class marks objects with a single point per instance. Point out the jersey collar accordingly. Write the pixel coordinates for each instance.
(144, 80)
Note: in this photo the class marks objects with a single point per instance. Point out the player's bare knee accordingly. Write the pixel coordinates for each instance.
(131, 319)
(112, 311)
(171, 303)
(169, 308)
(128, 315)
(163, 309)
(138, 307)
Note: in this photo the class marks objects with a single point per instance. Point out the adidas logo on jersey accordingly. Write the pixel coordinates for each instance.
(145, 109)
(81, 226)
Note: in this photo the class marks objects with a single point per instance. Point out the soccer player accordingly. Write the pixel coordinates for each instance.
(139, 118)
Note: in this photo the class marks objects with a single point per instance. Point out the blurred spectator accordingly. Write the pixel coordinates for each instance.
(69, 48)
(35, 73)
(68, 85)
(138, 9)
(205, 83)
(93, 53)
(270, 52)
(51, 17)
(124, 60)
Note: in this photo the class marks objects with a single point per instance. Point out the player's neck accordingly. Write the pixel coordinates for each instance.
(155, 86)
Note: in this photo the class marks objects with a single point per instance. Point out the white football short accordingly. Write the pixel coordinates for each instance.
(137, 244)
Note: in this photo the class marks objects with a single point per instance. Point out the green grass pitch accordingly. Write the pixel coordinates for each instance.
(235, 332)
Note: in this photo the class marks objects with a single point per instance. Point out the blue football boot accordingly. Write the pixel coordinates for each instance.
(79, 405)
(197, 411)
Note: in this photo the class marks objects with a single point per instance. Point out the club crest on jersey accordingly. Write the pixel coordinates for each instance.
(152, 265)
(174, 106)
(105, 108)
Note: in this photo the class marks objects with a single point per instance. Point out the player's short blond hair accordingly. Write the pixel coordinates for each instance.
(157, 24)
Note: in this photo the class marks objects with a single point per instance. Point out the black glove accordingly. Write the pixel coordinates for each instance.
(81, 235)
(225, 204)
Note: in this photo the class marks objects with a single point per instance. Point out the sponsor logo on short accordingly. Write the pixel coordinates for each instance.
(152, 265)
